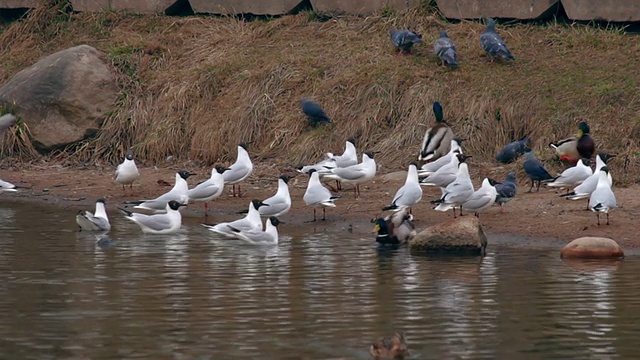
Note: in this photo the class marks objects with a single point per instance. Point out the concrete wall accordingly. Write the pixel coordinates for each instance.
(606, 10)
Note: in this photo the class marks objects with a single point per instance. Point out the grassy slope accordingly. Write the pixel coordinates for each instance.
(194, 87)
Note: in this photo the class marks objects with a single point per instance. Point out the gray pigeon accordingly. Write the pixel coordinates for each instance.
(493, 44)
(313, 111)
(513, 150)
(6, 121)
(404, 40)
(534, 169)
(506, 190)
(446, 50)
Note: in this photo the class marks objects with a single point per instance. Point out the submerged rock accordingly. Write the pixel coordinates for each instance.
(463, 235)
(592, 248)
(64, 97)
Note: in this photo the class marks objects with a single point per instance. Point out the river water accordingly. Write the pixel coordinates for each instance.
(323, 293)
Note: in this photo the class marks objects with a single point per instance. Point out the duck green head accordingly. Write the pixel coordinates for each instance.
(380, 227)
(437, 111)
(583, 128)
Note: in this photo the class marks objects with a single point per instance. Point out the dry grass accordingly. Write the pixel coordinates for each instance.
(195, 87)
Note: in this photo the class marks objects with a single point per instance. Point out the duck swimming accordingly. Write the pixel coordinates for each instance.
(395, 229)
(394, 347)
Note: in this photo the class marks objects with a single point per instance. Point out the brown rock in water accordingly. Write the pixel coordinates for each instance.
(592, 248)
(64, 97)
(463, 235)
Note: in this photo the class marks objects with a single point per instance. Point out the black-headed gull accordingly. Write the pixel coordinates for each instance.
(409, 194)
(240, 170)
(98, 221)
(602, 198)
(250, 221)
(159, 224)
(179, 193)
(258, 237)
(208, 189)
(317, 195)
(280, 203)
(127, 172)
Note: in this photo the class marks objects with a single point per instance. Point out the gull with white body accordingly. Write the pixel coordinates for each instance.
(158, 224)
(178, 193)
(240, 170)
(98, 221)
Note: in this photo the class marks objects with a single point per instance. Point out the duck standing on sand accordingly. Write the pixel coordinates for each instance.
(573, 148)
(437, 140)
(394, 347)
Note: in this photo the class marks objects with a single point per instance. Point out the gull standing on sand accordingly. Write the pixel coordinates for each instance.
(159, 224)
(445, 50)
(433, 166)
(348, 158)
(506, 190)
(482, 198)
(7, 186)
(446, 174)
(437, 139)
(356, 174)
(209, 189)
(534, 169)
(584, 190)
(493, 44)
(179, 193)
(127, 172)
(98, 221)
(317, 195)
(409, 194)
(240, 170)
(250, 221)
(602, 199)
(258, 237)
(572, 176)
(456, 193)
(280, 203)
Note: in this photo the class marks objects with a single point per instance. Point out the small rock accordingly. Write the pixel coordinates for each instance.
(589, 247)
(463, 235)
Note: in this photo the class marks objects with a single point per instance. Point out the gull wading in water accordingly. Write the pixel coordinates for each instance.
(209, 189)
(98, 221)
(249, 222)
(179, 193)
(240, 170)
(258, 237)
(158, 224)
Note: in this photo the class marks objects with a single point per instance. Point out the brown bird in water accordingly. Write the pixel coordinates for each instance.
(394, 347)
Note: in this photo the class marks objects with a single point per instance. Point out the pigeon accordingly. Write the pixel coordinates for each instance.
(534, 169)
(209, 189)
(317, 195)
(404, 40)
(602, 199)
(313, 111)
(394, 229)
(445, 50)
(127, 172)
(437, 139)
(493, 44)
(6, 121)
(572, 176)
(356, 174)
(240, 170)
(409, 194)
(506, 190)
(179, 193)
(160, 224)
(513, 150)
(258, 237)
(98, 221)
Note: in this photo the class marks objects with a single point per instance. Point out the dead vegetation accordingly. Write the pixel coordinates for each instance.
(195, 87)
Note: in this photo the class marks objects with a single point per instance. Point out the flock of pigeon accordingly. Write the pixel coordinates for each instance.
(443, 166)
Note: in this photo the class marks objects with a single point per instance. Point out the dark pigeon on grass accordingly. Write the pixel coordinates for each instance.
(493, 44)
(446, 50)
(512, 151)
(506, 190)
(315, 114)
(404, 40)
(534, 169)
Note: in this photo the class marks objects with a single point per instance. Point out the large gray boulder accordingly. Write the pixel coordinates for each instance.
(592, 247)
(475, 9)
(64, 97)
(359, 7)
(262, 7)
(463, 235)
(603, 10)
(129, 6)
(15, 4)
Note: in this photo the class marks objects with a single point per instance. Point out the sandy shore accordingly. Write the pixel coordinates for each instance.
(541, 215)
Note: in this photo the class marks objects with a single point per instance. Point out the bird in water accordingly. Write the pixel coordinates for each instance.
(404, 40)
(444, 48)
(394, 347)
(493, 44)
(437, 139)
(394, 229)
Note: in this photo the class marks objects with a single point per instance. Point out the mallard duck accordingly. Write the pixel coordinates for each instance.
(437, 139)
(395, 229)
(573, 148)
(394, 347)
